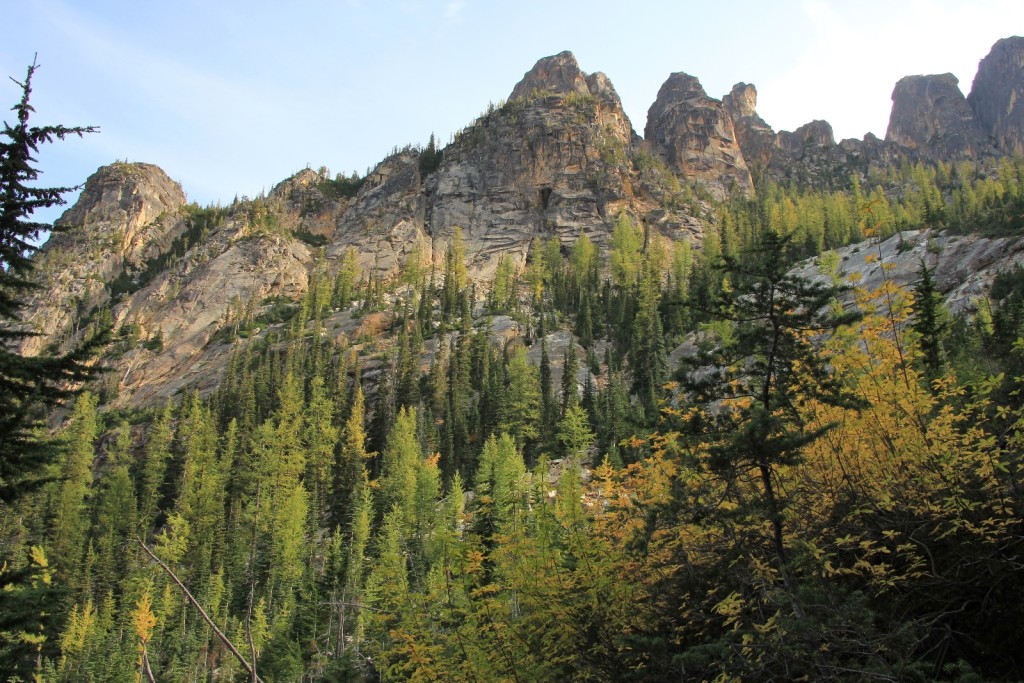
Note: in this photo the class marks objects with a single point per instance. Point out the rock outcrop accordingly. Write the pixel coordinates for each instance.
(125, 215)
(120, 205)
(385, 221)
(694, 134)
(996, 95)
(963, 266)
(554, 160)
(931, 116)
(756, 139)
(555, 75)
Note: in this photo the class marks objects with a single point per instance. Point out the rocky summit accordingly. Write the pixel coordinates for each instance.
(696, 136)
(559, 159)
(931, 115)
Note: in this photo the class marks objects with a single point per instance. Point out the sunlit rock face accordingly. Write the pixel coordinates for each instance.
(694, 133)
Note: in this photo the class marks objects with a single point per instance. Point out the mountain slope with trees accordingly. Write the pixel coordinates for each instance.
(635, 427)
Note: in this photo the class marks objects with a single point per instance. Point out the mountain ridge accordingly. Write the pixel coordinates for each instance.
(559, 159)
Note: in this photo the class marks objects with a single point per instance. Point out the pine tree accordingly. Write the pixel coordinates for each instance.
(454, 277)
(319, 438)
(647, 356)
(627, 242)
(154, 465)
(202, 493)
(115, 514)
(70, 520)
(520, 411)
(399, 463)
(345, 280)
(548, 407)
(574, 432)
(570, 386)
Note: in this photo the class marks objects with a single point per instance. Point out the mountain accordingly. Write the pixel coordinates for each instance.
(555, 402)
(559, 158)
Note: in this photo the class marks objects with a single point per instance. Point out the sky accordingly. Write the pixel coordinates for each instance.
(230, 98)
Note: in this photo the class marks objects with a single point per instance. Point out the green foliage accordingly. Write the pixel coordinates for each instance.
(627, 241)
(430, 158)
(341, 186)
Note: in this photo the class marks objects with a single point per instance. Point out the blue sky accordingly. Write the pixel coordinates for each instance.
(232, 97)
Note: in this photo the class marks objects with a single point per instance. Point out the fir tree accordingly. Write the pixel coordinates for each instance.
(928, 322)
(770, 359)
(28, 384)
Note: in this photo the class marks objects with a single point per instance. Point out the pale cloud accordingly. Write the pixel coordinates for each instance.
(855, 56)
(453, 9)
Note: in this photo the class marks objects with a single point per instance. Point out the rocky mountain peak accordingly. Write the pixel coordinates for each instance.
(931, 115)
(694, 133)
(741, 101)
(601, 87)
(124, 193)
(558, 74)
(995, 94)
(301, 181)
(119, 207)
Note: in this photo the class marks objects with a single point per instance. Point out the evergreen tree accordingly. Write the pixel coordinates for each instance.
(627, 242)
(520, 410)
(760, 372)
(574, 432)
(454, 276)
(29, 385)
(351, 464)
(70, 524)
(345, 280)
(319, 438)
(115, 514)
(400, 465)
(154, 465)
(647, 357)
(928, 322)
(570, 368)
(548, 407)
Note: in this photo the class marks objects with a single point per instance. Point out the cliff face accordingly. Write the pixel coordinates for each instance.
(126, 214)
(552, 161)
(996, 94)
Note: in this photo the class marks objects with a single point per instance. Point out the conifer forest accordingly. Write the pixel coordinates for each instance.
(651, 460)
